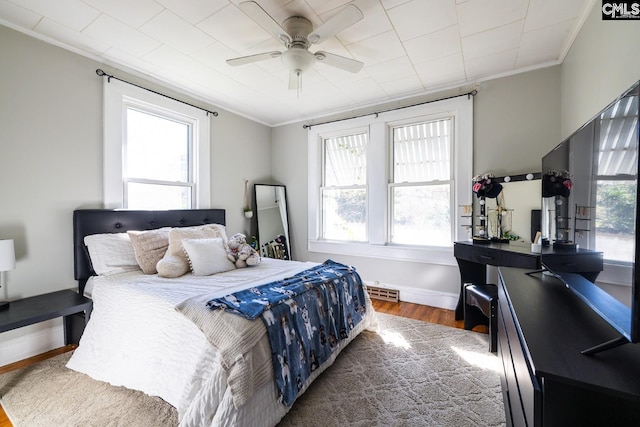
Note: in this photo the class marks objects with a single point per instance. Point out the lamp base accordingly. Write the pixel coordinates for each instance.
(4, 305)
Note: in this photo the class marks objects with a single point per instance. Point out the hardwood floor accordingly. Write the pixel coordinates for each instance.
(404, 309)
(416, 311)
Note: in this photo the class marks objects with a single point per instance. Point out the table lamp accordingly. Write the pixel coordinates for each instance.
(7, 262)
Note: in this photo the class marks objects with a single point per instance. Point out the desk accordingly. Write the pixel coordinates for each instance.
(32, 310)
(473, 260)
(546, 381)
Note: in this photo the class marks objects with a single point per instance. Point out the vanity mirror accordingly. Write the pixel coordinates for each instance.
(273, 221)
(520, 195)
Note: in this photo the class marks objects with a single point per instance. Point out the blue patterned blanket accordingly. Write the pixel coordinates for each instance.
(306, 316)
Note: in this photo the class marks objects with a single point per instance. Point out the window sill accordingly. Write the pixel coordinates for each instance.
(428, 255)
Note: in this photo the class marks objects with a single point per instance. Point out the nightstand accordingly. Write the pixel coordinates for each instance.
(73, 307)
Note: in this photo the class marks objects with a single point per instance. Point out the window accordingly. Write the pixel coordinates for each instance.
(156, 151)
(422, 176)
(344, 191)
(616, 168)
(392, 185)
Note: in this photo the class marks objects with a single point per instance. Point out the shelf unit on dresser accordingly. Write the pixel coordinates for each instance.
(546, 381)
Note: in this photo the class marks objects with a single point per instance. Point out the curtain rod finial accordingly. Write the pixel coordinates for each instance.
(100, 72)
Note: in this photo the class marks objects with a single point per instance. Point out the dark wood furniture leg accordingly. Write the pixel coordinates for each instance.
(470, 272)
(74, 325)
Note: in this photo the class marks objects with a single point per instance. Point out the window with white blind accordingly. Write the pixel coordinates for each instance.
(156, 151)
(422, 176)
(616, 174)
(392, 185)
(344, 187)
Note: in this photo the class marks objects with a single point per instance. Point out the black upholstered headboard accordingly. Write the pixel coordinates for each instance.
(96, 221)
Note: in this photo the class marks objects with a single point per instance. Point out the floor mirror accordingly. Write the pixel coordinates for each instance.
(273, 221)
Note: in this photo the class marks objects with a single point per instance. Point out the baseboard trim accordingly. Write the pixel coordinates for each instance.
(428, 297)
(33, 341)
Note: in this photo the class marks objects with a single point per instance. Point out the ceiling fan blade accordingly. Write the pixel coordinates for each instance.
(338, 22)
(338, 61)
(262, 18)
(253, 58)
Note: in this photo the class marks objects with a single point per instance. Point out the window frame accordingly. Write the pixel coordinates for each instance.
(118, 97)
(378, 184)
(392, 184)
(323, 187)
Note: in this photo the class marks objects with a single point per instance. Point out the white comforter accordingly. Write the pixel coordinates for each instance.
(137, 339)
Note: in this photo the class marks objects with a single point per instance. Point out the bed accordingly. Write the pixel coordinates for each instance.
(143, 333)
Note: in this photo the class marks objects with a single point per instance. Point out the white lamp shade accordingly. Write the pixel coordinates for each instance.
(7, 255)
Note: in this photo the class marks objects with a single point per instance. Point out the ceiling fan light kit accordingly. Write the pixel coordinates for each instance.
(297, 35)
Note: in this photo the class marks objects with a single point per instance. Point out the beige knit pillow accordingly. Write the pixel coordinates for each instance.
(175, 262)
(149, 247)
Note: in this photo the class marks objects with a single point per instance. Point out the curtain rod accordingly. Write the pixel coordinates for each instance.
(101, 73)
(474, 92)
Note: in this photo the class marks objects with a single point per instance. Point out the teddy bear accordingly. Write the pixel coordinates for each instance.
(240, 252)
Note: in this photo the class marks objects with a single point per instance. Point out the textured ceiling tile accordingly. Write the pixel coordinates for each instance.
(435, 45)
(194, 11)
(364, 91)
(371, 25)
(380, 48)
(478, 16)
(172, 30)
(403, 86)
(71, 38)
(442, 71)
(420, 17)
(493, 41)
(323, 6)
(543, 13)
(75, 14)
(18, 15)
(215, 56)
(120, 36)
(233, 28)
(491, 64)
(543, 45)
(133, 13)
(391, 70)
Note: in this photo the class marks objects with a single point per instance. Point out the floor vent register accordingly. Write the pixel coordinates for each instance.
(384, 294)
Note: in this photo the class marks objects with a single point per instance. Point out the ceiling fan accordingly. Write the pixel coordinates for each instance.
(297, 35)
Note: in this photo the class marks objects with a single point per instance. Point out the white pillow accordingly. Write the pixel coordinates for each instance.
(207, 256)
(111, 253)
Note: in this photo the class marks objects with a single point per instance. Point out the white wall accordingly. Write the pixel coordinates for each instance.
(603, 62)
(51, 164)
(516, 121)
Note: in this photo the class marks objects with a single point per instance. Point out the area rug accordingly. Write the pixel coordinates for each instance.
(410, 373)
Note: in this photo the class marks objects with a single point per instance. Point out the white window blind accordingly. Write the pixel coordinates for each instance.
(417, 172)
(344, 192)
(422, 182)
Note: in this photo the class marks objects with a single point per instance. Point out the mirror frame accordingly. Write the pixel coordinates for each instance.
(286, 228)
